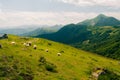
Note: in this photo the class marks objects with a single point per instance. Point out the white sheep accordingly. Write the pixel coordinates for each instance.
(59, 54)
(34, 46)
(30, 43)
(13, 43)
(26, 44)
(46, 50)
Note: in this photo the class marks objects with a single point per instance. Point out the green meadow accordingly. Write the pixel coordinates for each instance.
(18, 62)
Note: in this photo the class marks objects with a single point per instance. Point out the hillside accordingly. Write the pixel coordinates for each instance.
(69, 34)
(103, 40)
(18, 62)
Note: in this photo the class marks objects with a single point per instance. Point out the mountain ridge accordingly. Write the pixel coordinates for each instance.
(101, 20)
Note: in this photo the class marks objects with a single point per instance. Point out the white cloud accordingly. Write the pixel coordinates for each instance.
(110, 3)
(46, 18)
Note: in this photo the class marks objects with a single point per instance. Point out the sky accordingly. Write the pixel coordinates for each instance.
(14, 13)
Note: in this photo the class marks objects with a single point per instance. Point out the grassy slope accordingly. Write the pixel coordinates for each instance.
(73, 64)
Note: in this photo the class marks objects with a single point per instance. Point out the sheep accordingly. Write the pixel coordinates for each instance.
(13, 43)
(46, 50)
(30, 43)
(24, 44)
(59, 54)
(27, 45)
(34, 46)
(0, 46)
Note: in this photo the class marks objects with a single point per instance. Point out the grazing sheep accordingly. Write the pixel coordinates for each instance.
(30, 43)
(13, 43)
(0, 46)
(34, 47)
(59, 54)
(27, 45)
(24, 44)
(46, 50)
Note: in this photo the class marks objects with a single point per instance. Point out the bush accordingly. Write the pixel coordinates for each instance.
(49, 44)
(26, 76)
(47, 65)
(42, 60)
(61, 51)
(50, 67)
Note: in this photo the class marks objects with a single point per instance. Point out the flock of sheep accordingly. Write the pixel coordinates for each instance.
(27, 44)
(30, 44)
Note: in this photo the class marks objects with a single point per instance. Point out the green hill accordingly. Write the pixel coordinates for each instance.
(18, 62)
(69, 34)
(101, 39)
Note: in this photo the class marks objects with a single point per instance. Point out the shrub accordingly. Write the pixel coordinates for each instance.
(50, 67)
(42, 60)
(49, 44)
(61, 51)
(26, 76)
(47, 65)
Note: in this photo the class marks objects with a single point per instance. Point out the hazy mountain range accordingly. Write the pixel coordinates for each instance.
(30, 30)
(43, 30)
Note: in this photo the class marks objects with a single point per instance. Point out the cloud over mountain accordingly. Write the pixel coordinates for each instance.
(51, 12)
(16, 18)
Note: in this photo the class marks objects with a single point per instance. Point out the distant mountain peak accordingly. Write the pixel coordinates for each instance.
(101, 20)
(101, 15)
